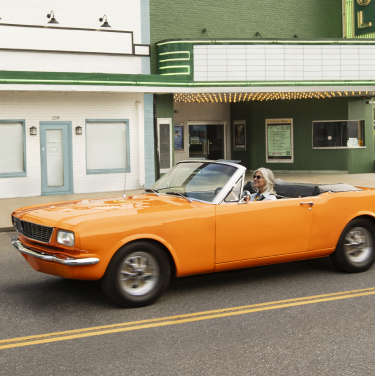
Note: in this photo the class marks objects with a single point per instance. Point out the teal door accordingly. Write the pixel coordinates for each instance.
(56, 158)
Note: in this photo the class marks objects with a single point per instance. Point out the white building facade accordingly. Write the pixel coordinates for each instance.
(63, 130)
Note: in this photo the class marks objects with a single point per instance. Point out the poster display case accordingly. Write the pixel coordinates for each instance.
(239, 135)
(279, 141)
(178, 136)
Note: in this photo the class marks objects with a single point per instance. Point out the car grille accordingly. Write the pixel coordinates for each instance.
(33, 231)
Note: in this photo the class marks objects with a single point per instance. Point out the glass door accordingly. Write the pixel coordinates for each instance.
(215, 141)
(56, 161)
(206, 141)
(197, 141)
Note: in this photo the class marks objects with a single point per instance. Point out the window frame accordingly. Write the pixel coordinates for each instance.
(336, 147)
(110, 170)
(166, 121)
(23, 173)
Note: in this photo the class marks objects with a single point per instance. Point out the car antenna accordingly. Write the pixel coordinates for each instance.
(126, 155)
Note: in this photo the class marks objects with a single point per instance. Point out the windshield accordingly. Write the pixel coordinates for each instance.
(199, 180)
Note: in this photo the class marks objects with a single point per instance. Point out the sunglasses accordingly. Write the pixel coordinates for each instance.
(258, 177)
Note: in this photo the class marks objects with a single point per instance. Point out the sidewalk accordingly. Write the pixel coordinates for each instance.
(8, 205)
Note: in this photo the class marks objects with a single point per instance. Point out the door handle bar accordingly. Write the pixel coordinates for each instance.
(307, 203)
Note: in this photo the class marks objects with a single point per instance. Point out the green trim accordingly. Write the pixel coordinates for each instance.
(76, 78)
(180, 59)
(176, 66)
(110, 170)
(175, 74)
(17, 174)
(280, 41)
(66, 127)
(182, 69)
(57, 78)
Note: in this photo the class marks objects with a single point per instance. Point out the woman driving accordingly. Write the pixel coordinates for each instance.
(264, 181)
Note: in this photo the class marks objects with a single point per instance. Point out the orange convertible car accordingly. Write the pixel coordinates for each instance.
(196, 219)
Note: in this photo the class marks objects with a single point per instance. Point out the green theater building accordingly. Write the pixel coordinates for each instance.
(286, 85)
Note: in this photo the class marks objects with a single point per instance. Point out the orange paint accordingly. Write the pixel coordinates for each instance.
(200, 237)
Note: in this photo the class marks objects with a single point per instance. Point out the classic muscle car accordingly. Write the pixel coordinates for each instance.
(196, 219)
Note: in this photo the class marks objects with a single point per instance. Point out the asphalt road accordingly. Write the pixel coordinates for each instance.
(334, 337)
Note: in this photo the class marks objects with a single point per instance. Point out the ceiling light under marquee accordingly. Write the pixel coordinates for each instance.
(242, 97)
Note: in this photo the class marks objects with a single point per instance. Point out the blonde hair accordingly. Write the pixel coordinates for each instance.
(268, 177)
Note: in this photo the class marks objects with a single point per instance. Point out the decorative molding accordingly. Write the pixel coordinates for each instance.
(69, 40)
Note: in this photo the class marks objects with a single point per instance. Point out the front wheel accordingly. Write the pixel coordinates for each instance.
(137, 275)
(355, 249)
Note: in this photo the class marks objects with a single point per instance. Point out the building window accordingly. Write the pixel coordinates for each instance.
(12, 148)
(107, 146)
(165, 143)
(338, 134)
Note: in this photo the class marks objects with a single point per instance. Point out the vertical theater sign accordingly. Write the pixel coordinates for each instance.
(364, 13)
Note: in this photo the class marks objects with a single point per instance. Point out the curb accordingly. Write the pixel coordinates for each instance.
(7, 229)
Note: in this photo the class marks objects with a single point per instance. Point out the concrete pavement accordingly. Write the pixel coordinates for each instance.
(8, 205)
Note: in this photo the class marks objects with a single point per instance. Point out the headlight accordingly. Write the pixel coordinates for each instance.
(65, 237)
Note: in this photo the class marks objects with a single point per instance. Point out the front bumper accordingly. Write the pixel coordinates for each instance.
(46, 257)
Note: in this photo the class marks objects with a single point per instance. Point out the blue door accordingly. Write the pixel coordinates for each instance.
(56, 158)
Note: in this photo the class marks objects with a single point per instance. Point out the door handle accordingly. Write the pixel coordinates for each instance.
(307, 203)
(208, 147)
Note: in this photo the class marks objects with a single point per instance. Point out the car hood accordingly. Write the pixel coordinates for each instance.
(71, 213)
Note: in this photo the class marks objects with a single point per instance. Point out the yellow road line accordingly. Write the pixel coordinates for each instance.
(180, 319)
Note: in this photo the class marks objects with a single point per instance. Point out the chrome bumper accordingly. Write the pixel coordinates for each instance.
(46, 257)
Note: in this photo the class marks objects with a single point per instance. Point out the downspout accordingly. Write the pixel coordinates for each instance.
(140, 145)
(156, 142)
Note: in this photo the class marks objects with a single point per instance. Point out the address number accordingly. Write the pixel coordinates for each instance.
(55, 117)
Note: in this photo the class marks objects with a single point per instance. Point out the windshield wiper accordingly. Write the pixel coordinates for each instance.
(178, 194)
(152, 191)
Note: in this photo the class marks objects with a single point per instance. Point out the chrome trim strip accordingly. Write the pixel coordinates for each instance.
(230, 184)
(209, 161)
(43, 256)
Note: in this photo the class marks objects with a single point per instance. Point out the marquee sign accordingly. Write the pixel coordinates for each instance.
(364, 16)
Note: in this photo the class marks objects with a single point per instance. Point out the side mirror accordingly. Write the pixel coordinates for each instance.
(246, 196)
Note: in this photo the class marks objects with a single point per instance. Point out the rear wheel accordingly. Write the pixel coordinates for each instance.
(137, 275)
(355, 249)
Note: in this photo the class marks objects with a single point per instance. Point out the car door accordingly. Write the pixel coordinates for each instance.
(262, 229)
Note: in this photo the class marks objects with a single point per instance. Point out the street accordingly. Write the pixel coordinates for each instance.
(325, 335)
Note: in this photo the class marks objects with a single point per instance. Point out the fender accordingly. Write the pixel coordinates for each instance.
(97, 271)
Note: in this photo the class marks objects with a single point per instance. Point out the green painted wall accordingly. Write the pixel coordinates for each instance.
(164, 105)
(362, 160)
(242, 19)
(303, 113)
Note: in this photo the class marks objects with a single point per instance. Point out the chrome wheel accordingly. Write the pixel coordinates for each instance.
(355, 252)
(138, 273)
(358, 245)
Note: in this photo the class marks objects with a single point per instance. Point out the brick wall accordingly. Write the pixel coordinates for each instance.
(74, 107)
(172, 19)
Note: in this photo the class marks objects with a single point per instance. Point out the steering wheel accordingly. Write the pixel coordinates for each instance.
(217, 190)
